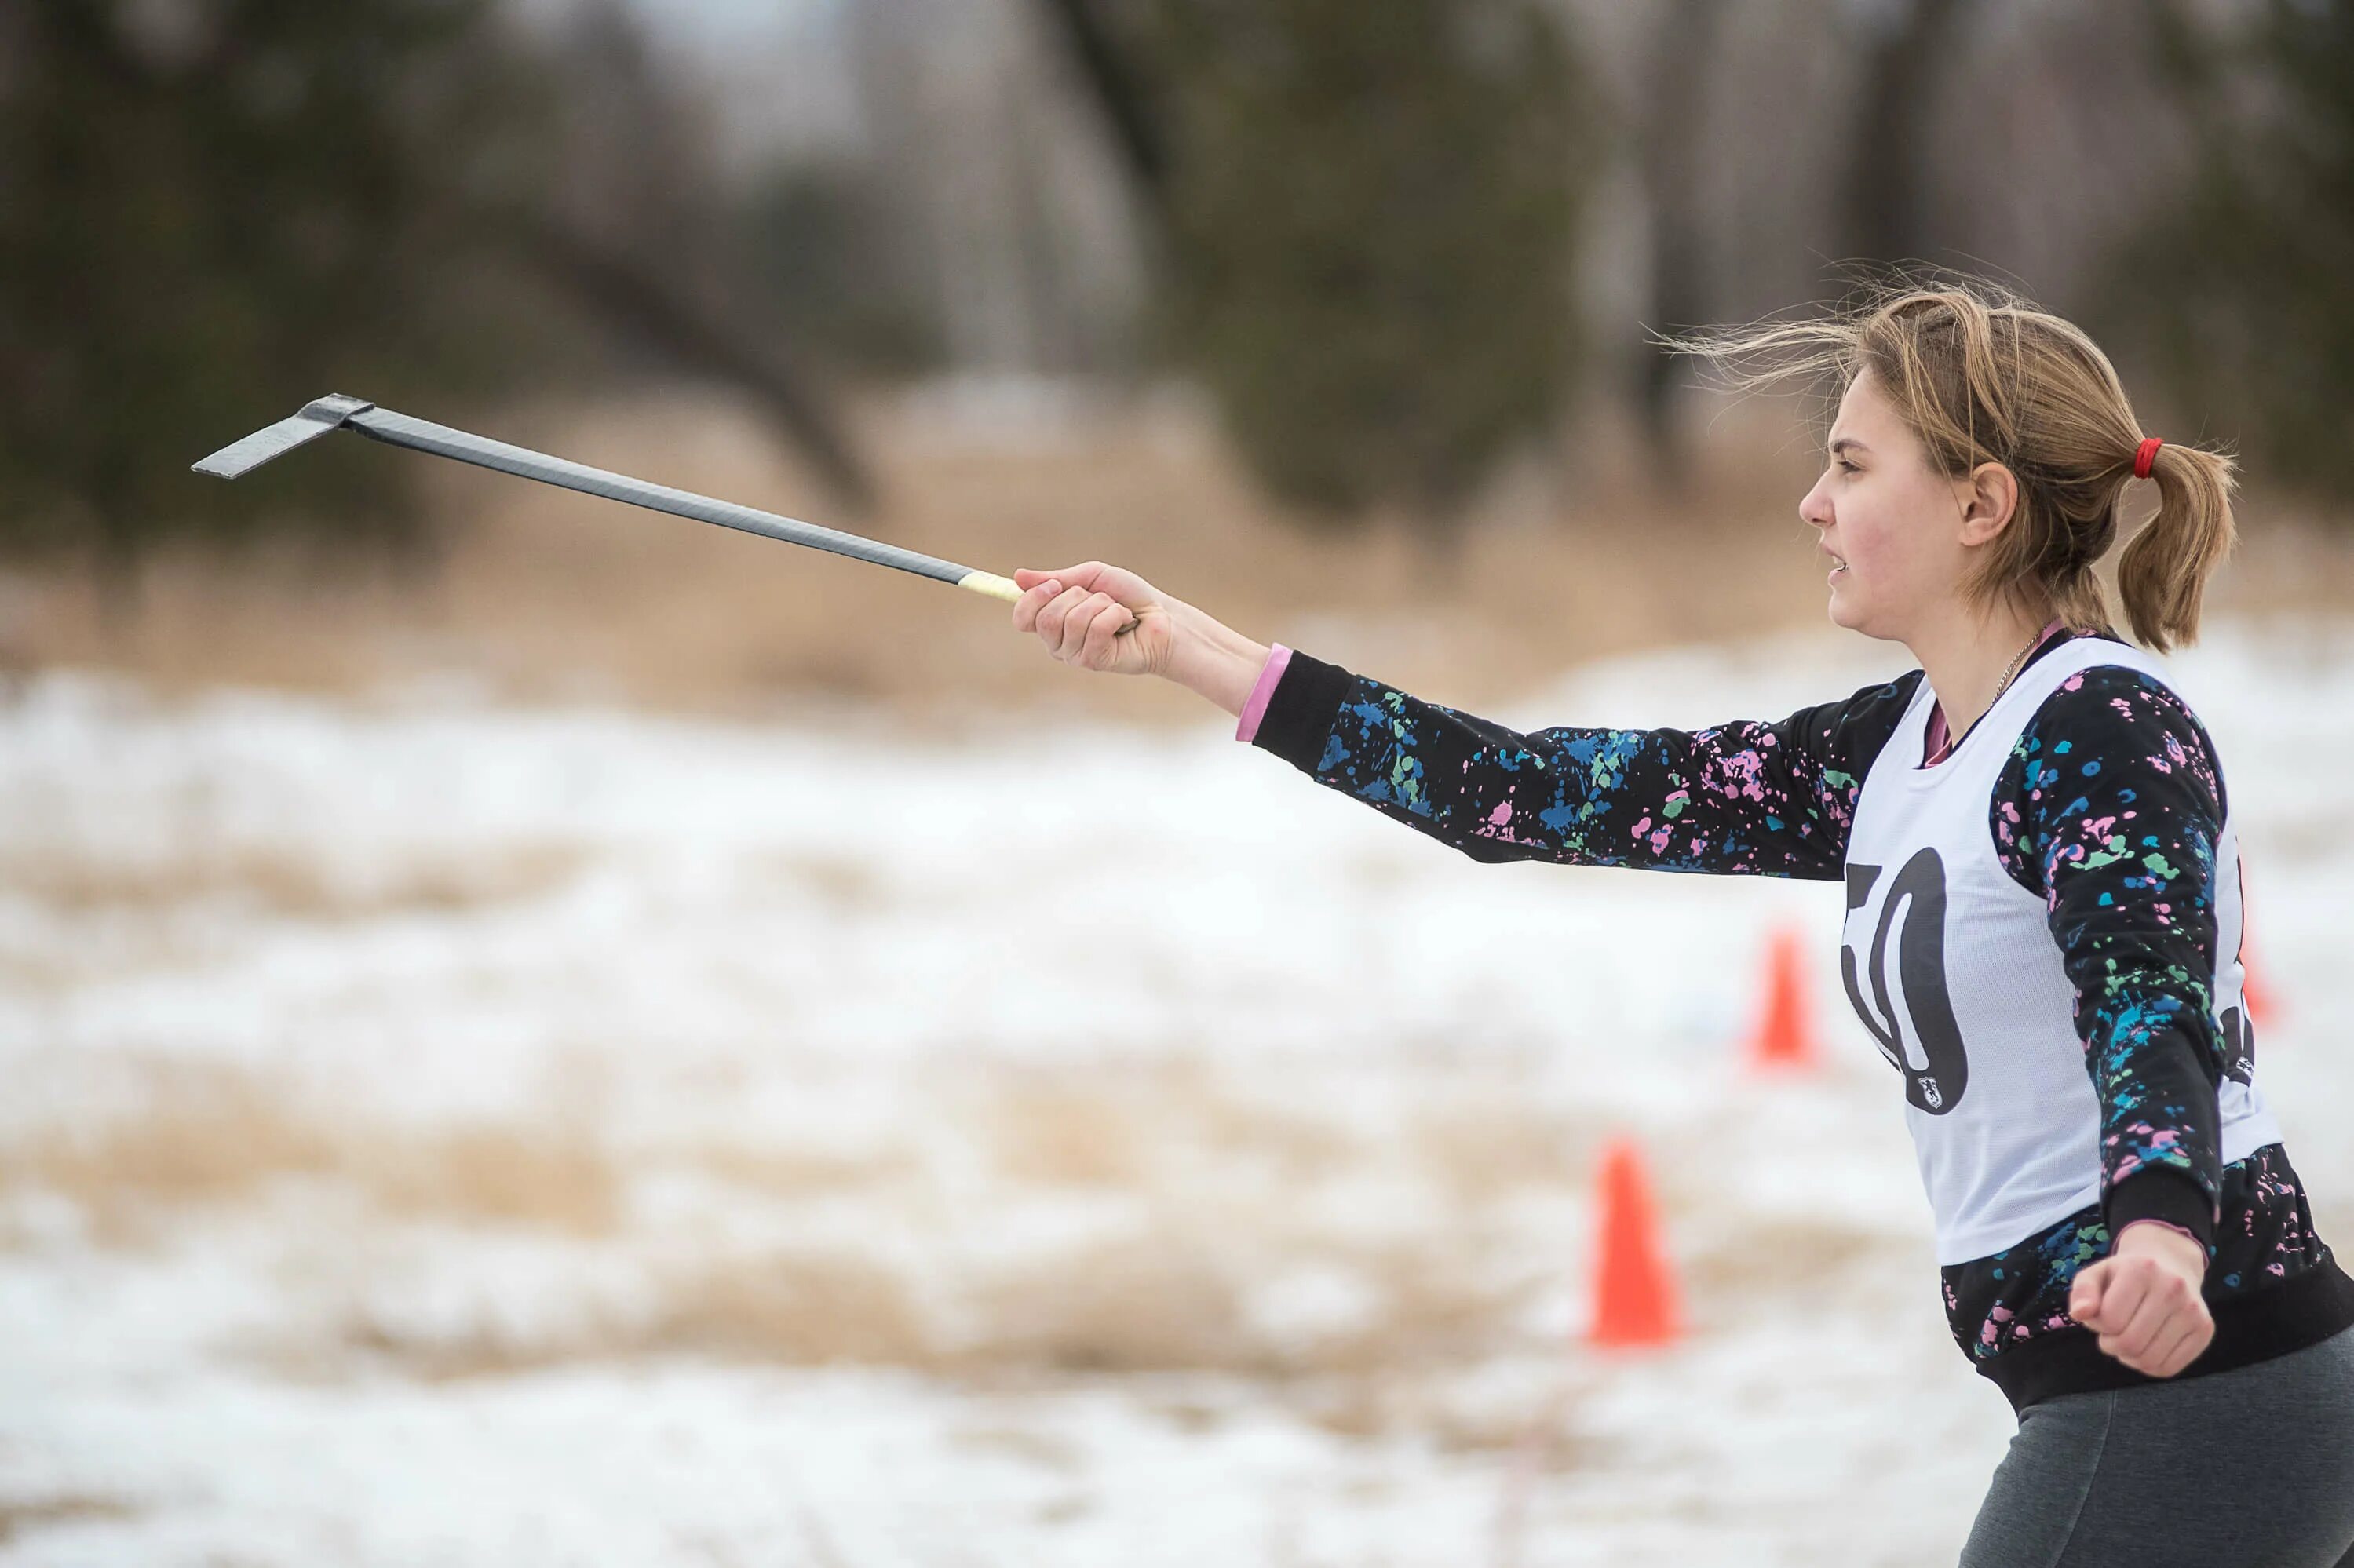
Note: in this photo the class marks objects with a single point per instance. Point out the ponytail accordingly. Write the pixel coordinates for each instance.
(2163, 570)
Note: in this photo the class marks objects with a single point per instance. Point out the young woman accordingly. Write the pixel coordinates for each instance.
(2043, 908)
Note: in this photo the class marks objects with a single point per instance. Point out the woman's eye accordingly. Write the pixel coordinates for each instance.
(1846, 466)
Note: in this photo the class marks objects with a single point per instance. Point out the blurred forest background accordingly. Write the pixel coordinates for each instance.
(1332, 318)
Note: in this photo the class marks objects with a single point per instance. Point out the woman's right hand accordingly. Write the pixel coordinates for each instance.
(1097, 617)
(1101, 618)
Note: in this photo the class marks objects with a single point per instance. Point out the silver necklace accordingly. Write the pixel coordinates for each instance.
(2017, 664)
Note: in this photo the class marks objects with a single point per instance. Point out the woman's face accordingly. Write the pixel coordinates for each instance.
(1893, 522)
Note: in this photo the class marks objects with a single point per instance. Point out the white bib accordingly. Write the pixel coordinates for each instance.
(1952, 969)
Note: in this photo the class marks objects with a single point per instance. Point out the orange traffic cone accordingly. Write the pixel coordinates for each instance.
(2256, 992)
(1785, 1037)
(1634, 1294)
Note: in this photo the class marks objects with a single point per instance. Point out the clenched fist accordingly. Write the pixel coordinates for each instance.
(1096, 617)
(2143, 1299)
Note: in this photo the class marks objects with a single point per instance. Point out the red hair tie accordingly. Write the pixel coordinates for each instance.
(2144, 455)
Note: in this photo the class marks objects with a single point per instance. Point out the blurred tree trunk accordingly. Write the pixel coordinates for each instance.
(1684, 52)
(1118, 88)
(1885, 206)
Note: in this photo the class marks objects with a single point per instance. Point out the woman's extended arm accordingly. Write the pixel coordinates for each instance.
(1748, 797)
(1764, 799)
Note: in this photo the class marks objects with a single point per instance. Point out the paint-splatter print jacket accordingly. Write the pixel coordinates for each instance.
(1776, 798)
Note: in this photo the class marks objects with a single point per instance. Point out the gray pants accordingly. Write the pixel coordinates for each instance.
(2254, 1466)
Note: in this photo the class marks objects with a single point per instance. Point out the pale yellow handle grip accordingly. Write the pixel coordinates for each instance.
(996, 586)
(990, 584)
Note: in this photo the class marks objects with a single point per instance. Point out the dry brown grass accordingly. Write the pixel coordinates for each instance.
(1783, 1259)
(200, 1136)
(792, 1174)
(1093, 1126)
(1166, 1292)
(216, 1136)
(792, 1309)
(1217, 1196)
(1156, 1302)
(1054, 1131)
(281, 882)
(20, 1517)
(801, 1308)
(500, 1176)
(1170, 1297)
(1484, 1145)
(1296, 1145)
(841, 881)
(1042, 1449)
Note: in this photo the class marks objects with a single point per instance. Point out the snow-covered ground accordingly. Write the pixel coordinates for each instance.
(436, 1132)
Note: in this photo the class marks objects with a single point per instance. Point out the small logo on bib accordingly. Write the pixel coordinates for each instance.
(2239, 1038)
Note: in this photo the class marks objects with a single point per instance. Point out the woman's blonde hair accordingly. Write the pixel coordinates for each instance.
(1981, 376)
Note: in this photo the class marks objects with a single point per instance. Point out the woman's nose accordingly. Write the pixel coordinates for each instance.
(1812, 508)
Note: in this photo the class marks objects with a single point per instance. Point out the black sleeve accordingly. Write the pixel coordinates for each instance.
(1761, 799)
(2109, 809)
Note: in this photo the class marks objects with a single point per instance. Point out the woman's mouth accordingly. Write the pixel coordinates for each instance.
(1839, 565)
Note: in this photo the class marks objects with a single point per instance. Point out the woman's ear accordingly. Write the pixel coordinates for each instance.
(1988, 497)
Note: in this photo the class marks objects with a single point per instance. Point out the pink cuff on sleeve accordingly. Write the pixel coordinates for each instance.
(1269, 673)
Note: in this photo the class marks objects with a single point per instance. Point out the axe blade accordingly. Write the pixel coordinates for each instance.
(317, 418)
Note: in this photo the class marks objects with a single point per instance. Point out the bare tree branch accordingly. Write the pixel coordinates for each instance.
(1118, 91)
(632, 297)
